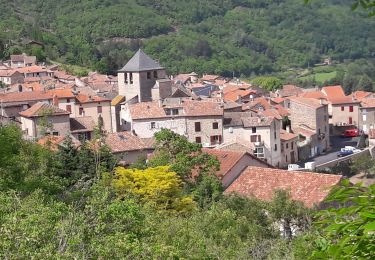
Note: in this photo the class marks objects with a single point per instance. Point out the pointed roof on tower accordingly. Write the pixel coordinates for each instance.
(141, 62)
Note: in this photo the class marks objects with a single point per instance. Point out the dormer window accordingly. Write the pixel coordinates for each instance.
(148, 74)
(131, 78)
(155, 74)
(126, 77)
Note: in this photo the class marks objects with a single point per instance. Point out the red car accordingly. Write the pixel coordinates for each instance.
(351, 133)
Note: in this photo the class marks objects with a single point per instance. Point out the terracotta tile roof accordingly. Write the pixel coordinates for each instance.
(148, 110)
(271, 113)
(90, 99)
(256, 104)
(63, 75)
(235, 118)
(313, 94)
(23, 58)
(53, 142)
(257, 121)
(360, 95)
(239, 145)
(124, 142)
(37, 79)
(33, 86)
(285, 136)
(32, 69)
(208, 77)
(40, 109)
(310, 102)
(227, 159)
(82, 124)
(235, 94)
(333, 92)
(368, 103)
(307, 187)
(25, 96)
(61, 93)
(17, 58)
(282, 110)
(304, 131)
(290, 90)
(182, 77)
(7, 73)
(278, 100)
(343, 100)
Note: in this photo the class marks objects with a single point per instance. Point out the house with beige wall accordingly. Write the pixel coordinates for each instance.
(260, 132)
(44, 119)
(9, 77)
(344, 112)
(200, 121)
(94, 107)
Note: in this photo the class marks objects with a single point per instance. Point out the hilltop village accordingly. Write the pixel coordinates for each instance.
(255, 134)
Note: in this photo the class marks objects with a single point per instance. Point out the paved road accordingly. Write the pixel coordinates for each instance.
(337, 143)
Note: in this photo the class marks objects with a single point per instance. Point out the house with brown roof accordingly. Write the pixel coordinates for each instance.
(288, 91)
(20, 61)
(44, 119)
(262, 132)
(35, 72)
(310, 120)
(128, 147)
(233, 163)
(310, 188)
(9, 77)
(199, 121)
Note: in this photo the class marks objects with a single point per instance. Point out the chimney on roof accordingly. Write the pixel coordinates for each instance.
(321, 101)
(160, 103)
(55, 101)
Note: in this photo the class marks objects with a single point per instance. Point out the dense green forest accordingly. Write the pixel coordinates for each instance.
(74, 203)
(244, 37)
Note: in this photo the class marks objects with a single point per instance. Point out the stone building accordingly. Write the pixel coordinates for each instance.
(309, 118)
(20, 61)
(138, 76)
(9, 77)
(44, 119)
(289, 148)
(200, 121)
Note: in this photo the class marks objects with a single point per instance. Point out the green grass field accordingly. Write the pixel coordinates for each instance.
(320, 77)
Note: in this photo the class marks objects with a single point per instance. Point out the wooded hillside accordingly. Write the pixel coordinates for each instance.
(242, 36)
